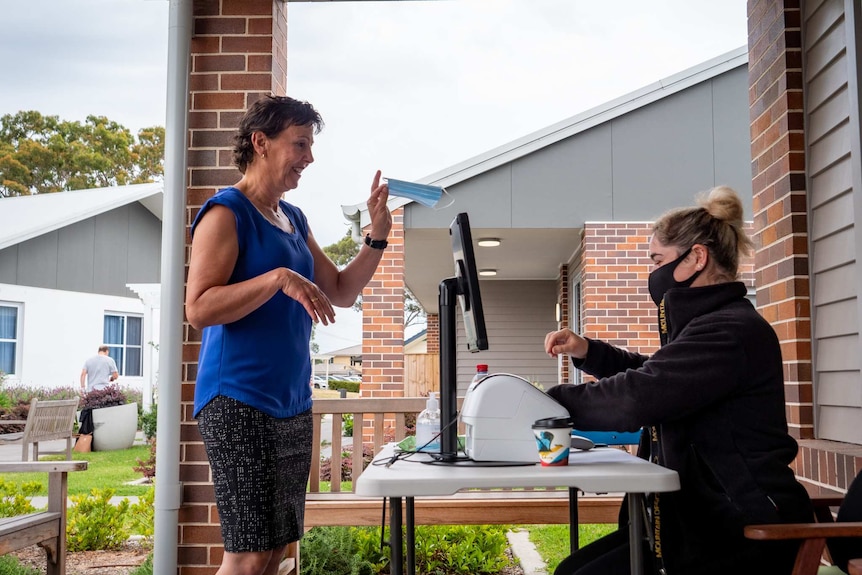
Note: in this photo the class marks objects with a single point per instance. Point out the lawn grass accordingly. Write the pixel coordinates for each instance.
(552, 541)
(105, 469)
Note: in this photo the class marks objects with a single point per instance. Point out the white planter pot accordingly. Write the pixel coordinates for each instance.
(115, 427)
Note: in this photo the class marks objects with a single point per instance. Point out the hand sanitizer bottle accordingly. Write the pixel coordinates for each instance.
(428, 425)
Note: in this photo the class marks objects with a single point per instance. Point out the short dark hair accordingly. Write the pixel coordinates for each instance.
(104, 348)
(271, 115)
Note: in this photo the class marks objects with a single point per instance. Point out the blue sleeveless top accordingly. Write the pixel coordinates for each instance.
(262, 359)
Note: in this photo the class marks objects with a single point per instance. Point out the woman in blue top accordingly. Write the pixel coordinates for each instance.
(257, 280)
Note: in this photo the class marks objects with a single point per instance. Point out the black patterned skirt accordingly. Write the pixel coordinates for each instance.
(260, 467)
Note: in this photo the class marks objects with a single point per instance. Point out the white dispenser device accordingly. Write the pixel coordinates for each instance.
(498, 414)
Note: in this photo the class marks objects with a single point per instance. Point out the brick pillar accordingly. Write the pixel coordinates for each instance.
(778, 184)
(564, 303)
(383, 323)
(616, 304)
(432, 333)
(239, 52)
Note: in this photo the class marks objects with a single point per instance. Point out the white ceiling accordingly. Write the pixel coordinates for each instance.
(524, 254)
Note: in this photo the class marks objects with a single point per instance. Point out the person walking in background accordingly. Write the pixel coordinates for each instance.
(99, 371)
(710, 401)
(257, 280)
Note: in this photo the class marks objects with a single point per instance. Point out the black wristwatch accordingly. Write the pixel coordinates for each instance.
(376, 244)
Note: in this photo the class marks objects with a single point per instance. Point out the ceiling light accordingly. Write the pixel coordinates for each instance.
(487, 272)
(489, 242)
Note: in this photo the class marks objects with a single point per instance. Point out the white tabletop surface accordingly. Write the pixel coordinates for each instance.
(600, 470)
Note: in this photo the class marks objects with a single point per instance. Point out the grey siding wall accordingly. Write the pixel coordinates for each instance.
(632, 168)
(515, 312)
(98, 255)
(832, 132)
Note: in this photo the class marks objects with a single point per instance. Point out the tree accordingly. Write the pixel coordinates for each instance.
(342, 253)
(43, 154)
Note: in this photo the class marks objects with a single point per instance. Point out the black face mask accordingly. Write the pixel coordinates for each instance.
(662, 280)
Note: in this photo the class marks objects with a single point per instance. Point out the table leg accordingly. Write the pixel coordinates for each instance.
(574, 544)
(396, 545)
(411, 538)
(635, 503)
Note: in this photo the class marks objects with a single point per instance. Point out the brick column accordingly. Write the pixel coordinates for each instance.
(563, 300)
(383, 323)
(616, 304)
(432, 333)
(239, 52)
(780, 203)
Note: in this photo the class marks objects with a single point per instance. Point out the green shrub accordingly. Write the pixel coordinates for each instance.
(141, 518)
(440, 550)
(5, 399)
(93, 523)
(350, 386)
(461, 549)
(145, 568)
(347, 424)
(14, 497)
(147, 422)
(327, 550)
(367, 542)
(11, 566)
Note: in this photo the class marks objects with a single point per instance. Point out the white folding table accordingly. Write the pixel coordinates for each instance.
(600, 470)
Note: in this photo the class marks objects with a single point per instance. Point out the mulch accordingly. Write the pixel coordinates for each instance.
(120, 562)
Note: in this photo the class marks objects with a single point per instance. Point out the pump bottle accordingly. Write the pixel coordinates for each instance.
(428, 425)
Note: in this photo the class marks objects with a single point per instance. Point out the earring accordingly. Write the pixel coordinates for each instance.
(263, 155)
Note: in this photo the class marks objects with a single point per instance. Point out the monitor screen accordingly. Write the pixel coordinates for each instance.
(468, 283)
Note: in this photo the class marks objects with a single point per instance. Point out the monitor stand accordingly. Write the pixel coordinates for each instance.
(448, 380)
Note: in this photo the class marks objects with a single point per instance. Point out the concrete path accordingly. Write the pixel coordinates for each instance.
(525, 552)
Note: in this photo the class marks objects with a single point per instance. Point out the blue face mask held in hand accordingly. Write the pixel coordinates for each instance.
(423, 193)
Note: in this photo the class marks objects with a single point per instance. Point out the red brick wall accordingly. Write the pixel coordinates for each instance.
(239, 52)
(564, 295)
(383, 324)
(780, 196)
(616, 306)
(432, 324)
(780, 204)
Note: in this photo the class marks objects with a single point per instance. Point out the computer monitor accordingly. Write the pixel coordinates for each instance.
(463, 287)
(468, 283)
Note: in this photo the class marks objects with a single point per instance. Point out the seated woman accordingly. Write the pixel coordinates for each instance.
(710, 400)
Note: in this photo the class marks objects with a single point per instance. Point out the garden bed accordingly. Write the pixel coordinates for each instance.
(121, 562)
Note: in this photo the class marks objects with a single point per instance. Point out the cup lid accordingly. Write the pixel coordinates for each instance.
(553, 423)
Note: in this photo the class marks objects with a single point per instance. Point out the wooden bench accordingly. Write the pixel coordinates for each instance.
(46, 528)
(47, 420)
(384, 420)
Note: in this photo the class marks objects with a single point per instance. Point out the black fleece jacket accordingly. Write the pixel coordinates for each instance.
(714, 394)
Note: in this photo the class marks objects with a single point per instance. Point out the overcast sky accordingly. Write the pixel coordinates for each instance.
(410, 88)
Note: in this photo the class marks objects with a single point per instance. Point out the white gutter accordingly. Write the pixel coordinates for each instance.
(168, 486)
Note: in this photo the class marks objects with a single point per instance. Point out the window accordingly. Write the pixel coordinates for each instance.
(10, 337)
(124, 336)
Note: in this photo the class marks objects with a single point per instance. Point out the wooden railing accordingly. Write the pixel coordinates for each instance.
(375, 423)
